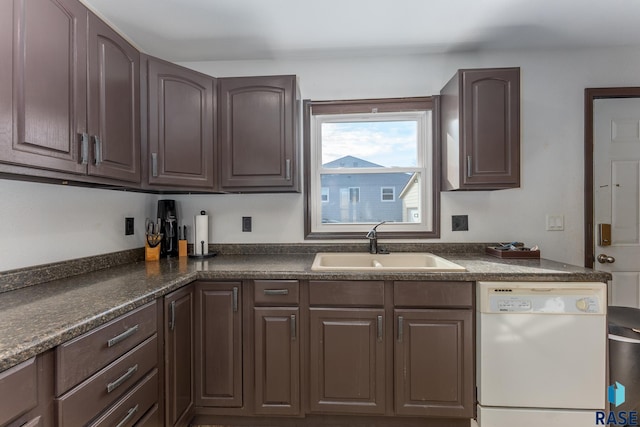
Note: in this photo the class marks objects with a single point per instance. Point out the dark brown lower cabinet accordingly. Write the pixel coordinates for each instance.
(179, 356)
(277, 360)
(347, 368)
(434, 363)
(219, 344)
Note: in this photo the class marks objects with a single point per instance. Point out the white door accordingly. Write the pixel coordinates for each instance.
(617, 195)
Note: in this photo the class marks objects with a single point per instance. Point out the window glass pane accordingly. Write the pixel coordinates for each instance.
(388, 194)
(369, 144)
(356, 198)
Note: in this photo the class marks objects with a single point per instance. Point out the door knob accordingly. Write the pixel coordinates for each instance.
(605, 259)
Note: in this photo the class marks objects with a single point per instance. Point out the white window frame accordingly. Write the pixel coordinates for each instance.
(425, 160)
(393, 194)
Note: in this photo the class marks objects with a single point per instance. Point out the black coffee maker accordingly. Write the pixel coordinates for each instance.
(168, 227)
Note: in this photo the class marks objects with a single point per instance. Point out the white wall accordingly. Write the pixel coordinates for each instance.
(553, 84)
(42, 223)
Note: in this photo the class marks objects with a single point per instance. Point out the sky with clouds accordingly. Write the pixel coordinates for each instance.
(388, 143)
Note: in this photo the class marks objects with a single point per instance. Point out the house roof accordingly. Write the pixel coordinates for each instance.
(351, 162)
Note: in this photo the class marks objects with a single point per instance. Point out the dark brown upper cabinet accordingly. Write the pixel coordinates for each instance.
(114, 104)
(181, 119)
(259, 134)
(49, 84)
(480, 110)
(63, 120)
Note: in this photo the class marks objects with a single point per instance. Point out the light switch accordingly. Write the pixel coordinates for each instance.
(555, 222)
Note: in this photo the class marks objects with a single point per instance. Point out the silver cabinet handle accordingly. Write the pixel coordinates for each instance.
(84, 148)
(172, 315)
(123, 336)
(294, 331)
(400, 328)
(130, 415)
(235, 299)
(287, 170)
(276, 291)
(154, 164)
(117, 383)
(380, 328)
(97, 149)
(469, 159)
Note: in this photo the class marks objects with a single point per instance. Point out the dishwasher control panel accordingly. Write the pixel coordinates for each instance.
(550, 298)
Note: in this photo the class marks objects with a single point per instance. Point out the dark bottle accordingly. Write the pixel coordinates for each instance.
(168, 216)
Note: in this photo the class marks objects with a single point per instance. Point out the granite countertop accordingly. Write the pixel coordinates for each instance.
(37, 318)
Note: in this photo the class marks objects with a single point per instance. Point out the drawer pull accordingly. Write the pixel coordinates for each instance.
(117, 383)
(130, 415)
(123, 336)
(276, 291)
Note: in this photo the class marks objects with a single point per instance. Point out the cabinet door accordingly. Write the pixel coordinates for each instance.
(179, 355)
(49, 84)
(480, 122)
(434, 363)
(491, 127)
(181, 126)
(219, 344)
(348, 360)
(6, 79)
(277, 361)
(258, 133)
(114, 104)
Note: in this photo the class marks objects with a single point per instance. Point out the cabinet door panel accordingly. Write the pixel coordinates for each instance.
(181, 126)
(277, 361)
(348, 365)
(219, 345)
(49, 84)
(491, 126)
(258, 133)
(179, 355)
(434, 363)
(114, 104)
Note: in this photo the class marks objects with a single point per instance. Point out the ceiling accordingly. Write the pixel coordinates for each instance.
(203, 30)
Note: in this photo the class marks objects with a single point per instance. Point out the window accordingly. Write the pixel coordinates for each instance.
(325, 194)
(388, 194)
(377, 156)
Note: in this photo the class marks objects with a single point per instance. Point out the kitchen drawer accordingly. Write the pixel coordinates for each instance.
(18, 390)
(91, 397)
(276, 292)
(432, 294)
(151, 418)
(133, 406)
(81, 357)
(351, 293)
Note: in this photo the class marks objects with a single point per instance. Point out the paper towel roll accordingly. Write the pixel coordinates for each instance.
(201, 231)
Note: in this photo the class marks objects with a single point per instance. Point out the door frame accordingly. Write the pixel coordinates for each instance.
(590, 95)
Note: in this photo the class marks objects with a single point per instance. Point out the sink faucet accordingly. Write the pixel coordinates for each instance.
(372, 235)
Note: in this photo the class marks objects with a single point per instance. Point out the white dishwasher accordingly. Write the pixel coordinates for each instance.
(541, 353)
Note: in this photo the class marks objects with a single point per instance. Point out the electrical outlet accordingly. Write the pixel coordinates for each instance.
(459, 223)
(128, 226)
(246, 223)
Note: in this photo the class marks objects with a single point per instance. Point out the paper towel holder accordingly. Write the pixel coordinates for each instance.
(201, 255)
